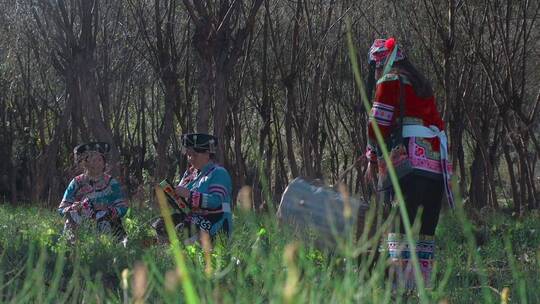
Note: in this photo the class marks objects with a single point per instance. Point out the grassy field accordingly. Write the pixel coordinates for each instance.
(495, 260)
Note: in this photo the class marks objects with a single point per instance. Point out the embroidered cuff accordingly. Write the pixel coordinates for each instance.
(382, 114)
(195, 198)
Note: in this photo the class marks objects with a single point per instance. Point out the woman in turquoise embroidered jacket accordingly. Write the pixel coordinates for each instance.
(206, 187)
(93, 195)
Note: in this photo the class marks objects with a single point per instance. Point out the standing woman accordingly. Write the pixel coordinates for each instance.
(404, 110)
(93, 195)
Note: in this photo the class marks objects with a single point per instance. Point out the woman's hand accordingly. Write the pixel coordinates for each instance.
(182, 191)
(76, 206)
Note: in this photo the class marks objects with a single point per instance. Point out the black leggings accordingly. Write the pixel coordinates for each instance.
(426, 192)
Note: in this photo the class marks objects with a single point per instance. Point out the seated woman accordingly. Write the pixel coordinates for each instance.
(206, 187)
(93, 195)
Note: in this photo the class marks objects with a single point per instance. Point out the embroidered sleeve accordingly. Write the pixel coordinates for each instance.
(385, 107)
(382, 114)
(69, 197)
(217, 193)
(118, 203)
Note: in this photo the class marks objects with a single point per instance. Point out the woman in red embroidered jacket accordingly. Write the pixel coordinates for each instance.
(401, 87)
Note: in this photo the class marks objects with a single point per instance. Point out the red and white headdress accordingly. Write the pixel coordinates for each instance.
(381, 49)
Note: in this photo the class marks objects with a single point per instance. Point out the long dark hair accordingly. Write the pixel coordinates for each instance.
(420, 83)
(370, 82)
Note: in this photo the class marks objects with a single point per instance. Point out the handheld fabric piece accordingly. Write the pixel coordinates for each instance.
(176, 200)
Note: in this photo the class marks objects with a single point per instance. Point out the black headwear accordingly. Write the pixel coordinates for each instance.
(80, 150)
(200, 142)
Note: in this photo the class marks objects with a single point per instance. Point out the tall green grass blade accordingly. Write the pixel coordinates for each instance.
(519, 282)
(472, 247)
(57, 275)
(187, 285)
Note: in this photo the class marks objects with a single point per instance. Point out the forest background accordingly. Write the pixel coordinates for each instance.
(272, 79)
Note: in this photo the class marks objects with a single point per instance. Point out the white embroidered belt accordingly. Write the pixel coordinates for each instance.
(431, 132)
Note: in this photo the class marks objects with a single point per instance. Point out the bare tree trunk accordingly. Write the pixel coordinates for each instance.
(13, 182)
(219, 41)
(46, 162)
(280, 171)
(204, 93)
(74, 58)
(291, 99)
(240, 171)
(477, 188)
(142, 134)
(164, 58)
(513, 184)
(85, 84)
(221, 109)
(170, 83)
(490, 159)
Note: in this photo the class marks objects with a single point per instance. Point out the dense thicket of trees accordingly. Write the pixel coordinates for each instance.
(271, 78)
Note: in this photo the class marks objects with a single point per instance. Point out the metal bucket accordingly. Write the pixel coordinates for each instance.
(320, 213)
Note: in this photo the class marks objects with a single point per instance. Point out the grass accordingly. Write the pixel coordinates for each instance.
(263, 263)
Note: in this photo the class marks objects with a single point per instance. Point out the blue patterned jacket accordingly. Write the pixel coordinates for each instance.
(210, 190)
(106, 193)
